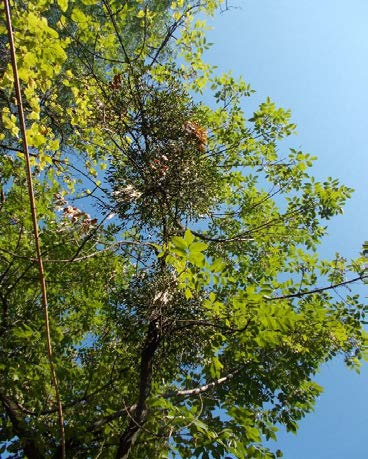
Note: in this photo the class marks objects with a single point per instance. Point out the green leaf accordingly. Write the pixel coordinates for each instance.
(179, 242)
(63, 5)
(198, 246)
(188, 237)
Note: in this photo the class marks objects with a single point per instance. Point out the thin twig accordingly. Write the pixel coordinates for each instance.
(113, 246)
(317, 289)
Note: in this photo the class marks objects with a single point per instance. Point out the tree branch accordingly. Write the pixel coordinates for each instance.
(206, 387)
(113, 246)
(20, 427)
(111, 16)
(317, 290)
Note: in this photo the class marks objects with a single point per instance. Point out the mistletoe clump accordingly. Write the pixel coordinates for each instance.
(161, 169)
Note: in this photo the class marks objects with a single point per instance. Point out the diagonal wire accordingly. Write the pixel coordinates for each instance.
(54, 378)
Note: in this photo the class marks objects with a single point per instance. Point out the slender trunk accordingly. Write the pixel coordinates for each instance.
(129, 437)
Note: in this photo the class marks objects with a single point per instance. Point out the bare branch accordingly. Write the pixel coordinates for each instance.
(318, 289)
(111, 16)
(206, 387)
(85, 257)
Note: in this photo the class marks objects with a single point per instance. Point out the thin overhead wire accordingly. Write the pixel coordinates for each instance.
(42, 279)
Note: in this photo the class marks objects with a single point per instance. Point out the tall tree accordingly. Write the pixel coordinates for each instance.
(188, 307)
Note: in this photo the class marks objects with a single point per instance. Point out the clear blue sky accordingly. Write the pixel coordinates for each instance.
(312, 56)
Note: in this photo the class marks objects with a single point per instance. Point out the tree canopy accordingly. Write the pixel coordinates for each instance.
(187, 306)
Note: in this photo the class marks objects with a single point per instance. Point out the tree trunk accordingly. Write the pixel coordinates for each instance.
(131, 433)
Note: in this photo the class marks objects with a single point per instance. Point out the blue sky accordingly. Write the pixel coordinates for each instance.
(312, 56)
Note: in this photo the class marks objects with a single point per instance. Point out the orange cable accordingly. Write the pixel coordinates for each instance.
(35, 226)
